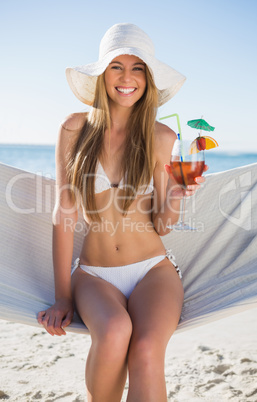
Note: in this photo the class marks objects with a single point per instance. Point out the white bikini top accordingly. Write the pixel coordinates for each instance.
(102, 182)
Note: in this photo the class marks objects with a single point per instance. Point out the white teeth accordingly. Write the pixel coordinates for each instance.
(126, 90)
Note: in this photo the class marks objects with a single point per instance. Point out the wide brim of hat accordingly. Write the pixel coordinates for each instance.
(82, 79)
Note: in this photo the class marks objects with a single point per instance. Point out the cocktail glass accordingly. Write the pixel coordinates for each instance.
(185, 167)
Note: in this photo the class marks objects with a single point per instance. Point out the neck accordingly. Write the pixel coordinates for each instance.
(119, 118)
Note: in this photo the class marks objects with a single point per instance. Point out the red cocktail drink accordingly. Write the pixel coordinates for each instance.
(186, 172)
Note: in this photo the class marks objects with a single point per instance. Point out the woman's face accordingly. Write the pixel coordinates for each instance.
(125, 80)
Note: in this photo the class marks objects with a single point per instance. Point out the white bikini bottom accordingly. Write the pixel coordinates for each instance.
(126, 277)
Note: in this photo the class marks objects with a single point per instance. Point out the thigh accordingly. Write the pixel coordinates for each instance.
(156, 302)
(99, 304)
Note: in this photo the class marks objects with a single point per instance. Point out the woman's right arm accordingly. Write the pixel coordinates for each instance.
(65, 217)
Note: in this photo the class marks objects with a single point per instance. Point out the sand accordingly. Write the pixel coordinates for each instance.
(216, 362)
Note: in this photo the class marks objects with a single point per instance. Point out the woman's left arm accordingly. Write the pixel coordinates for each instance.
(167, 193)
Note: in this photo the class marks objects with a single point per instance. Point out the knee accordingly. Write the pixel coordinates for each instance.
(114, 333)
(146, 350)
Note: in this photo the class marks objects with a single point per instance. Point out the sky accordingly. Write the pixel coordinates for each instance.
(213, 43)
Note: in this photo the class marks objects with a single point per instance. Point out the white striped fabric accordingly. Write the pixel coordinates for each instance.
(218, 260)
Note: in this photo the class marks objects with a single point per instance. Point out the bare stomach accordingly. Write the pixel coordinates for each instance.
(119, 240)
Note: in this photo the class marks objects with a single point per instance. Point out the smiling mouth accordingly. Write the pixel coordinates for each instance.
(125, 91)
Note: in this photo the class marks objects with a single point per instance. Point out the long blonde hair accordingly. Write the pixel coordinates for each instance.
(137, 161)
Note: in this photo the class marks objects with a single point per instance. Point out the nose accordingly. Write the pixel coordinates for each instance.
(126, 75)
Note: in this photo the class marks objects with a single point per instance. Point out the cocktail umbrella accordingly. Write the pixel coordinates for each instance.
(202, 142)
(200, 124)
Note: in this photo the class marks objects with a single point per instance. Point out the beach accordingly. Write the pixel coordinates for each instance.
(214, 362)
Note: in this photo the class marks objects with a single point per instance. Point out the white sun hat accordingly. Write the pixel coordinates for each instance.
(123, 39)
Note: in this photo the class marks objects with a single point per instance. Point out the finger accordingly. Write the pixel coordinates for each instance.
(193, 187)
(45, 319)
(206, 167)
(167, 168)
(67, 320)
(169, 171)
(191, 190)
(40, 316)
(46, 326)
(189, 193)
(49, 321)
(45, 323)
(175, 191)
(58, 327)
(200, 179)
(54, 325)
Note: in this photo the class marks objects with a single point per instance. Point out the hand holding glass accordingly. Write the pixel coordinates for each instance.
(185, 167)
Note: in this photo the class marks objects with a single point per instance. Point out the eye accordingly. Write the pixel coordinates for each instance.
(115, 67)
(139, 68)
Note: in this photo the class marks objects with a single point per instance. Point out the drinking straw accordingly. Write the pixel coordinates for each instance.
(180, 148)
(182, 156)
(180, 165)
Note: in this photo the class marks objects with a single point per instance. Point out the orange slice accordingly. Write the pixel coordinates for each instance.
(202, 143)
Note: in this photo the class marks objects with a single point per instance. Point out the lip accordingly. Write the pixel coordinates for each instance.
(120, 90)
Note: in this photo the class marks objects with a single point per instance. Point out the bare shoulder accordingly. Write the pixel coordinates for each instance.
(164, 140)
(70, 129)
(74, 121)
(68, 135)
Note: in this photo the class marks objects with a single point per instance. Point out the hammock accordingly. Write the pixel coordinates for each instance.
(218, 261)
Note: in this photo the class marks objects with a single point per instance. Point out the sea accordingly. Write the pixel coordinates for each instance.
(40, 159)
